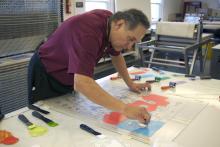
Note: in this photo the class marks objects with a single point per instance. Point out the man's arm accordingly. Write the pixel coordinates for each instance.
(88, 87)
(95, 93)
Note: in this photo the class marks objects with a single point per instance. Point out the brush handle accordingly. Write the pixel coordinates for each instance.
(41, 117)
(24, 120)
(88, 129)
(33, 107)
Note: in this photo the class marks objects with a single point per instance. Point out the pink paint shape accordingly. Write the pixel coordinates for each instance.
(159, 100)
(114, 118)
(149, 107)
(138, 72)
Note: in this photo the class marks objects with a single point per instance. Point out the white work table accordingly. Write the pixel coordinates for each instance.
(67, 134)
(217, 46)
(195, 124)
(206, 36)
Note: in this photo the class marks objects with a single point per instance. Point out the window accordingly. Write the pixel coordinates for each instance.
(156, 10)
(100, 4)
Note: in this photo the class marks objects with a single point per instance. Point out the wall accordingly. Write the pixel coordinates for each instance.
(170, 7)
(143, 5)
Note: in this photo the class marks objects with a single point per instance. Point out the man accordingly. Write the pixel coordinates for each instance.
(66, 61)
(1, 115)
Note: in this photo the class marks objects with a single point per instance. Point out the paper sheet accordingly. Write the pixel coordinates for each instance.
(164, 110)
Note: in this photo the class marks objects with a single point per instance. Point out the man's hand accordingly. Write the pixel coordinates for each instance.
(138, 87)
(138, 113)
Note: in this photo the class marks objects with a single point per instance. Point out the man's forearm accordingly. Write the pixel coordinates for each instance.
(88, 87)
(121, 67)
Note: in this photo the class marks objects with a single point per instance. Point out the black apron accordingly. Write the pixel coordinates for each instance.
(41, 85)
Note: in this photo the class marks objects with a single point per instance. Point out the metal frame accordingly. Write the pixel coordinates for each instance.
(188, 47)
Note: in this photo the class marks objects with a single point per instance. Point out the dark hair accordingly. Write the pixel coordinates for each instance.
(133, 17)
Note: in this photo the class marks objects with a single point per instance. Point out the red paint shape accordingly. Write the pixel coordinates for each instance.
(149, 108)
(113, 118)
(159, 100)
(10, 140)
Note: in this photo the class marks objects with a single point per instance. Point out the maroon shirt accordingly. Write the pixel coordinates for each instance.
(76, 46)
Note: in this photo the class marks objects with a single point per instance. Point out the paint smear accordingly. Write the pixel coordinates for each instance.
(113, 118)
(10, 140)
(149, 107)
(159, 100)
(4, 134)
(36, 131)
(7, 138)
(151, 102)
(137, 72)
(52, 124)
(134, 127)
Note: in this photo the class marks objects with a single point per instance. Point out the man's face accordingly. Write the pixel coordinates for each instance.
(123, 38)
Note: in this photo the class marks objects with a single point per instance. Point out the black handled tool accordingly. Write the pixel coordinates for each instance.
(26, 121)
(91, 131)
(43, 118)
(33, 107)
(88, 129)
(34, 130)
